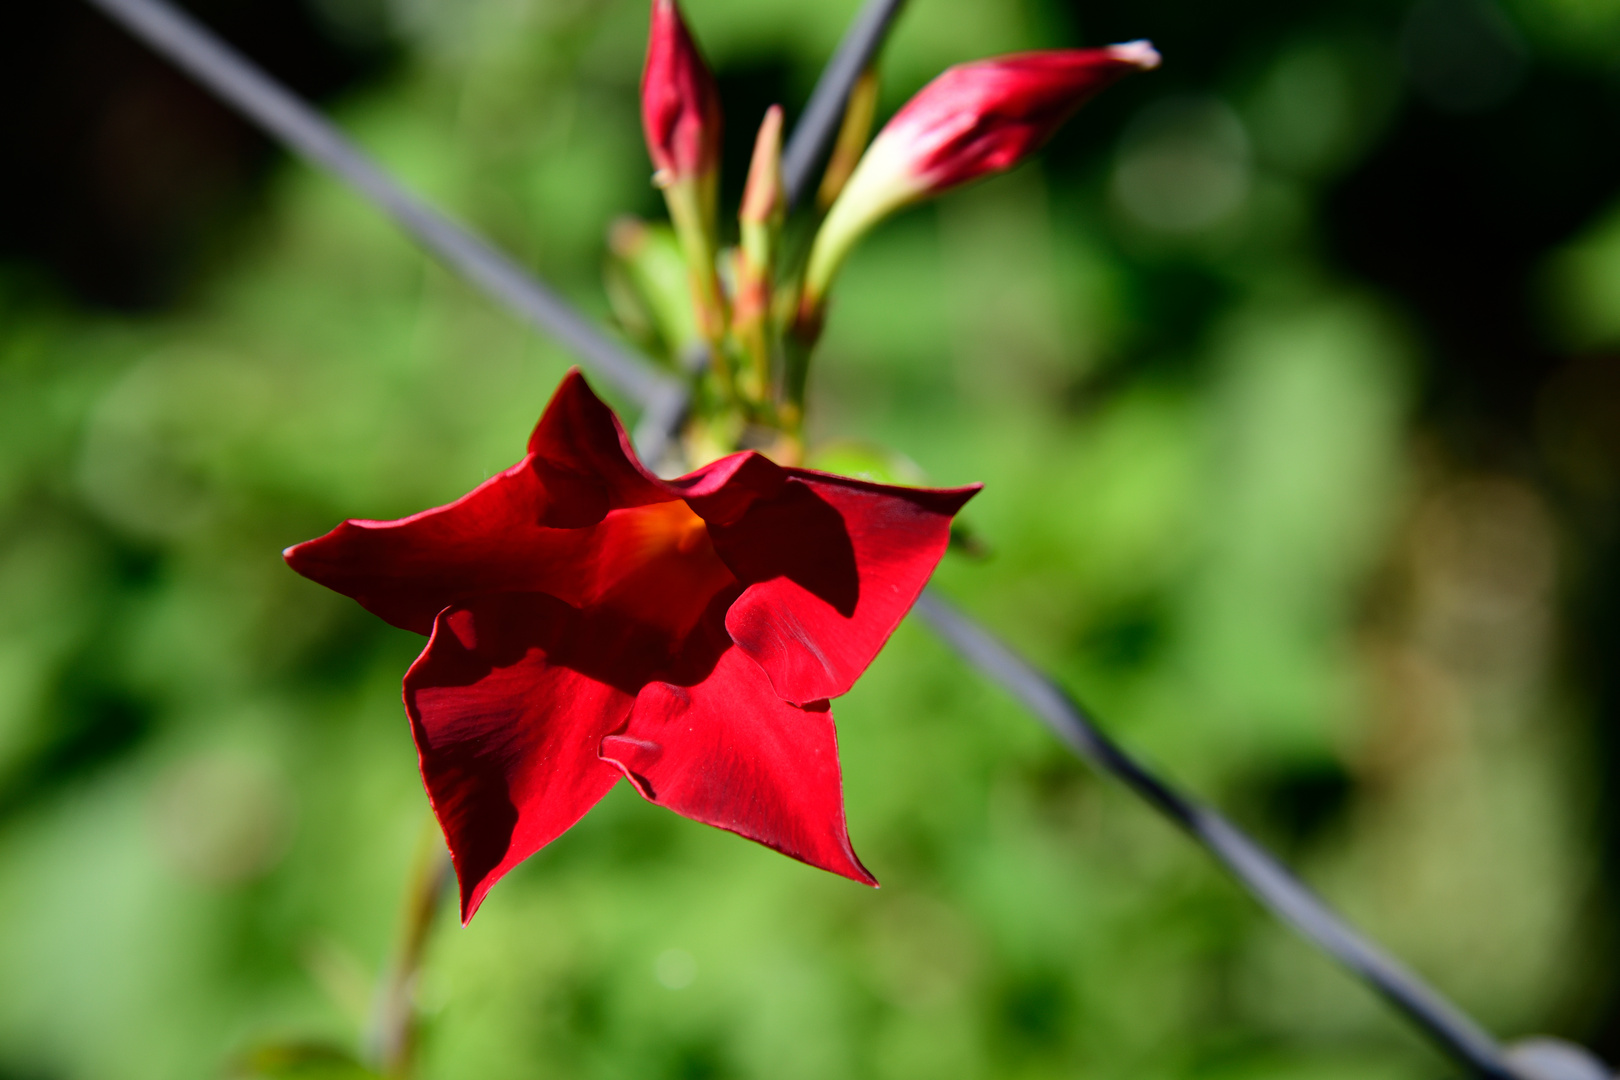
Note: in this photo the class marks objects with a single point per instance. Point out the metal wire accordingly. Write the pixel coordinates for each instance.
(1265, 877)
(236, 80)
(825, 109)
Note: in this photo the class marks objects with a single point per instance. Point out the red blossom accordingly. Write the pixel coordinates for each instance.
(589, 621)
(680, 104)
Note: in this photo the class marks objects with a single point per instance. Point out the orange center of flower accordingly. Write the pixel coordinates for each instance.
(658, 566)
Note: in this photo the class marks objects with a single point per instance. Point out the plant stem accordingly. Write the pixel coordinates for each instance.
(394, 1025)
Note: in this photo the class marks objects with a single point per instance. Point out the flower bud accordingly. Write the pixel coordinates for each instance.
(680, 112)
(764, 199)
(680, 104)
(764, 205)
(973, 120)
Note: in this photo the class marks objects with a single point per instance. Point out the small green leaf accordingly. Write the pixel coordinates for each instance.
(648, 260)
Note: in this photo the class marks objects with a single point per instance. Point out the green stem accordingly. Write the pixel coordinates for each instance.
(690, 200)
(395, 1021)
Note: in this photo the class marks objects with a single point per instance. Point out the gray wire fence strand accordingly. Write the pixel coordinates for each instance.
(1275, 887)
(236, 79)
(283, 115)
(825, 109)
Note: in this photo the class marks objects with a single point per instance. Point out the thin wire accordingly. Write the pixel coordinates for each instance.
(1256, 868)
(825, 109)
(281, 113)
(240, 82)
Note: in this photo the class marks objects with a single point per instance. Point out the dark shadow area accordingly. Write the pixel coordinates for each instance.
(1296, 807)
(798, 535)
(122, 178)
(94, 721)
(747, 93)
(1454, 213)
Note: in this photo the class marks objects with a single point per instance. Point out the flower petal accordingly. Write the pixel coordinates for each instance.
(507, 734)
(583, 457)
(729, 752)
(831, 566)
(522, 530)
(722, 491)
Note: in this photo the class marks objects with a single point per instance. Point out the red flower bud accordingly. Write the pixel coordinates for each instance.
(680, 104)
(988, 116)
(973, 120)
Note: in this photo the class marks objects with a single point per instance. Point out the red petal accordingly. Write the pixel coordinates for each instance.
(728, 752)
(584, 459)
(506, 734)
(722, 491)
(832, 565)
(521, 530)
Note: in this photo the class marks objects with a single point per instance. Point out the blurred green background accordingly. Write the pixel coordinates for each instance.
(1292, 372)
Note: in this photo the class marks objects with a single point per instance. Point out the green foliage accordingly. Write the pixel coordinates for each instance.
(1201, 488)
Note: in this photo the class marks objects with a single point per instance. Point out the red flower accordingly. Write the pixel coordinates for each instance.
(680, 104)
(588, 620)
(974, 119)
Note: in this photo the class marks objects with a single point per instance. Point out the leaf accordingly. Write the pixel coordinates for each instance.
(299, 1061)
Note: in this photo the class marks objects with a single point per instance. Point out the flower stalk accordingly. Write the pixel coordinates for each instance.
(393, 1038)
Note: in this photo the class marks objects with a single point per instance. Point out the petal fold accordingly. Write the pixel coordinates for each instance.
(506, 734)
(729, 752)
(831, 566)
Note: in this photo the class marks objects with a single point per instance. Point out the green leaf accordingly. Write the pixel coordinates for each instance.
(299, 1061)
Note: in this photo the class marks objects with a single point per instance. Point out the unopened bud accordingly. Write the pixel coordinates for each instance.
(680, 112)
(973, 120)
(680, 104)
(764, 200)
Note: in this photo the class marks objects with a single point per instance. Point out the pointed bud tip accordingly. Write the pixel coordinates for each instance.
(763, 192)
(1141, 53)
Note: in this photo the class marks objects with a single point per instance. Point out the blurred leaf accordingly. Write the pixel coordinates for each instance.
(299, 1061)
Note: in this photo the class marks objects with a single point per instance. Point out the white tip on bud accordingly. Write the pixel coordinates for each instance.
(1141, 53)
